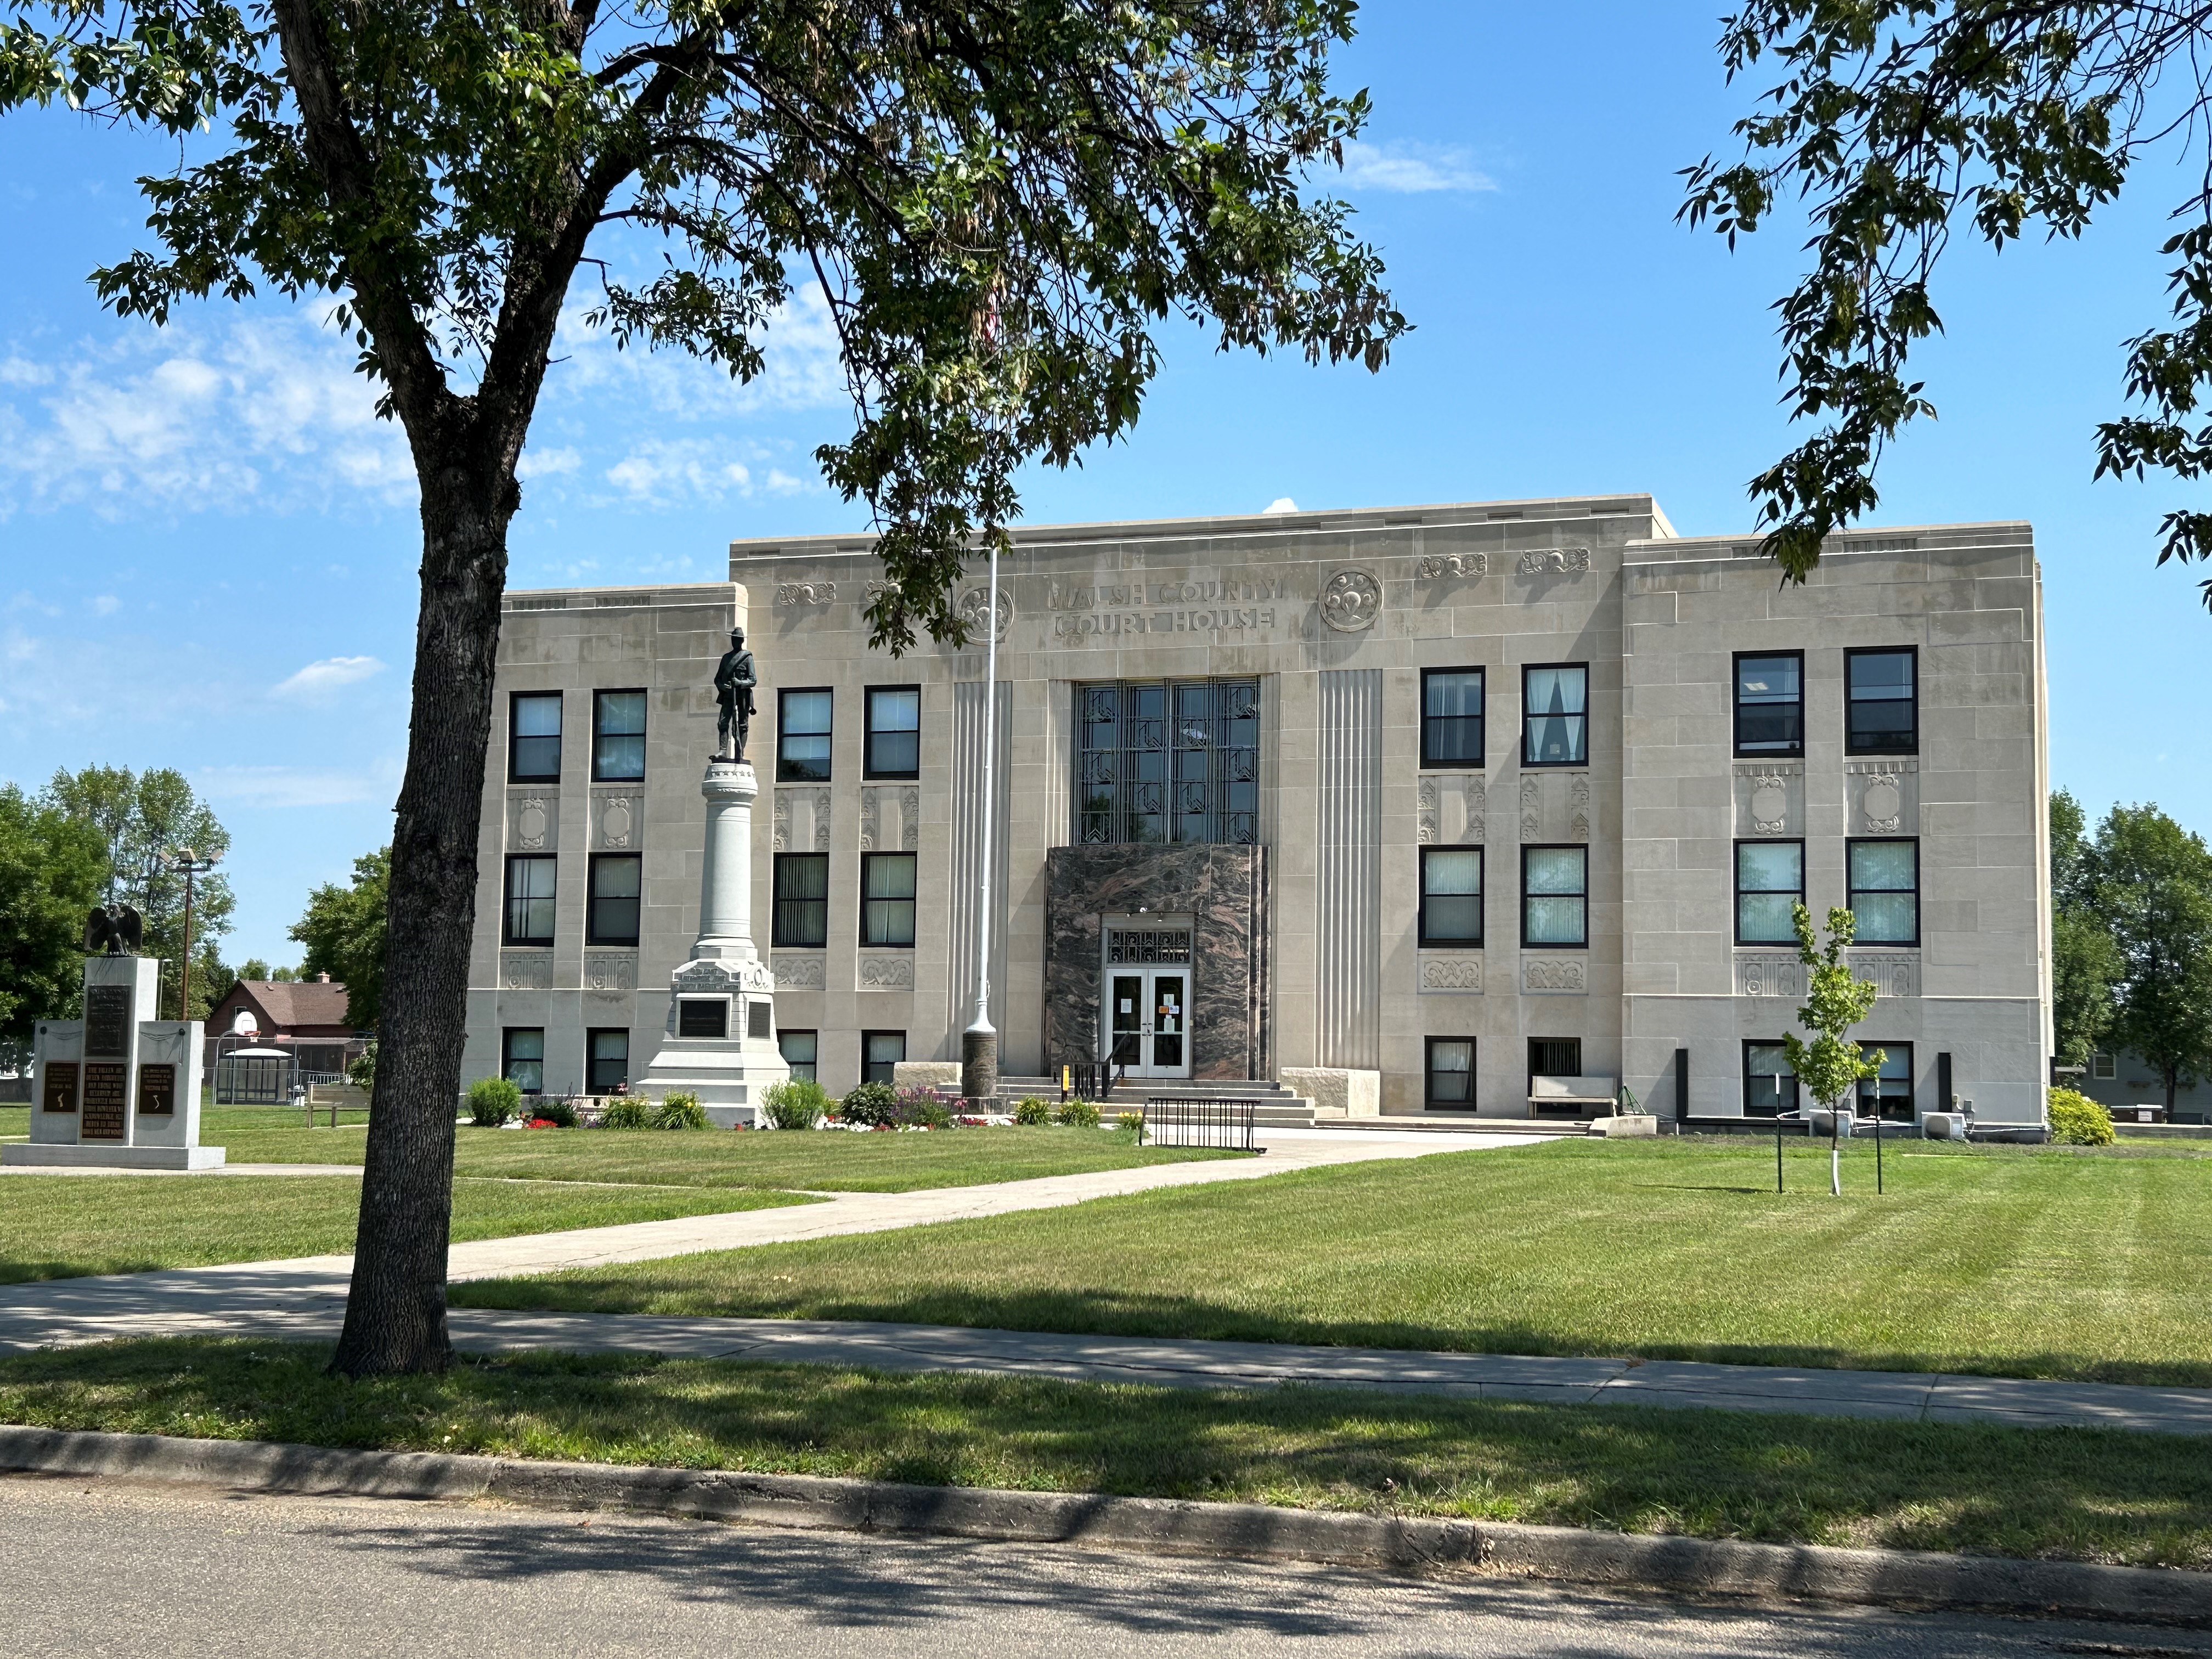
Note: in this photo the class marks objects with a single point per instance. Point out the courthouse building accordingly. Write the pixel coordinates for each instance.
(1443, 809)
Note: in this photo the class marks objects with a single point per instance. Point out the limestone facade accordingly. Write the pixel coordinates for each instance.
(1306, 914)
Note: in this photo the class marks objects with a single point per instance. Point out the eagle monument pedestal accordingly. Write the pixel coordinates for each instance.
(117, 1089)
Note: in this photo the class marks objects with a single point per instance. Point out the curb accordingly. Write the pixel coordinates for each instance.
(1764, 1572)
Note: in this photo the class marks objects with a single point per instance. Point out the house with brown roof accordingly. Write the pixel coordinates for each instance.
(302, 1021)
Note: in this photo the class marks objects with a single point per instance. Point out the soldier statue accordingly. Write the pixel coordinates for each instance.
(733, 690)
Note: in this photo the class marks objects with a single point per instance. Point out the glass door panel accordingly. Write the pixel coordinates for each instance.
(1169, 1020)
(1125, 1020)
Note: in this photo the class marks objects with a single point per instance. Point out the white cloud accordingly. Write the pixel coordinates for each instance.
(106, 604)
(319, 680)
(1280, 504)
(538, 463)
(1410, 168)
(258, 413)
(288, 786)
(659, 472)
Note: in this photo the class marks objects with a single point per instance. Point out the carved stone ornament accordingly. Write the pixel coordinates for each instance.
(1894, 974)
(821, 820)
(707, 977)
(1561, 973)
(1883, 804)
(1557, 560)
(806, 593)
(532, 820)
(1439, 565)
(1579, 793)
(618, 821)
(975, 602)
(616, 970)
(1428, 799)
(798, 973)
(527, 970)
(782, 820)
(1351, 600)
(1532, 821)
(868, 819)
(887, 973)
(1770, 976)
(1770, 804)
(910, 818)
(1461, 974)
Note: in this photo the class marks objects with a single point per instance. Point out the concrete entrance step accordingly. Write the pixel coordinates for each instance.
(1450, 1123)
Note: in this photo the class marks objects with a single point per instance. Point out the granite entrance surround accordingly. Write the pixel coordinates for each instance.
(1222, 889)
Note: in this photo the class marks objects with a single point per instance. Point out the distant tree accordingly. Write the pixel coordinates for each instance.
(255, 969)
(998, 200)
(1897, 123)
(143, 817)
(2152, 887)
(344, 931)
(52, 869)
(1831, 1067)
(2085, 963)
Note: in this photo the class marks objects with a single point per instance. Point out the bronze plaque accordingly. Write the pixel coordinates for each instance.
(157, 1091)
(106, 1096)
(60, 1084)
(108, 1021)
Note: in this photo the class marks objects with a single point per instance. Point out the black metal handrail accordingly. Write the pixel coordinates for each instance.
(1200, 1121)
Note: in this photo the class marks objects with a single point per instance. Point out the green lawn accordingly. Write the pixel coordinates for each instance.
(2005, 1261)
(2101, 1495)
(64, 1226)
(825, 1161)
(14, 1121)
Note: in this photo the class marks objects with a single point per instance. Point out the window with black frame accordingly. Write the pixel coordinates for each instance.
(799, 1049)
(881, 1054)
(522, 1058)
(1770, 883)
(894, 734)
(1451, 718)
(533, 736)
(1555, 896)
(1889, 1096)
(617, 737)
(1769, 1085)
(887, 899)
(802, 735)
(1769, 703)
(606, 1061)
(1555, 714)
(1554, 1057)
(1169, 761)
(1884, 881)
(801, 915)
(1881, 702)
(616, 887)
(1450, 1074)
(1451, 895)
(530, 886)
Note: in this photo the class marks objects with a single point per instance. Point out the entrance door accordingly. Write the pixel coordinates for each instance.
(1148, 1022)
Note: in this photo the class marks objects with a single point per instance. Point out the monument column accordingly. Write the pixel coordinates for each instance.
(725, 887)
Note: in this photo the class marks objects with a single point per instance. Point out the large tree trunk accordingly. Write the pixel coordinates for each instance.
(396, 1315)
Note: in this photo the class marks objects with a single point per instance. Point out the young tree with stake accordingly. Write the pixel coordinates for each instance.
(1830, 1068)
(1075, 171)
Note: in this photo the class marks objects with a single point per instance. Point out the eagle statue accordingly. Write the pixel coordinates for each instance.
(115, 929)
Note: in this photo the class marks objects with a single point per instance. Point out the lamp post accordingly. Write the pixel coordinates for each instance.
(979, 1043)
(184, 863)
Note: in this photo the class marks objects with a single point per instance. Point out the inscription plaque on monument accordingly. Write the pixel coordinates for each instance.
(157, 1090)
(106, 1096)
(107, 1020)
(60, 1079)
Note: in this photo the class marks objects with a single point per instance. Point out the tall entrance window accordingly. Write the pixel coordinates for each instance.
(1168, 761)
(1146, 1028)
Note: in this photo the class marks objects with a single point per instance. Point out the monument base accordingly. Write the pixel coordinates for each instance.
(729, 1072)
(95, 1157)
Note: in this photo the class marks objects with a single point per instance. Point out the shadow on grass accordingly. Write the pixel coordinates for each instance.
(2090, 1493)
(677, 1289)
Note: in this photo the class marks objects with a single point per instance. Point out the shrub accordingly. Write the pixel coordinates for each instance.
(493, 1101)
(1032, 1110)
(681, 1110)
(361, 1070)
(561, 1113)
(875, 1104)
(1078, 1114)
(627, 1112)
(1129, 1120)
(2078, 1121)
(798, 1103)
(925, 1107)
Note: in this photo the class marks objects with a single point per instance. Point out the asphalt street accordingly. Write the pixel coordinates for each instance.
(115, 1570)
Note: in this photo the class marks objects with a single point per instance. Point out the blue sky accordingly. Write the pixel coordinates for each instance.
(207, 545)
